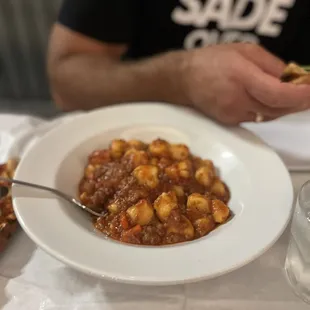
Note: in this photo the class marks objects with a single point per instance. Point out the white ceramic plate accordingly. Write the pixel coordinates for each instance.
(259, 182)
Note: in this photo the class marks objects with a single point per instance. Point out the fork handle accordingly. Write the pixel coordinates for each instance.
(37, 186)
(54, 191)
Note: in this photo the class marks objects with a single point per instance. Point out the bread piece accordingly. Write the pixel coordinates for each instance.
(295, 74)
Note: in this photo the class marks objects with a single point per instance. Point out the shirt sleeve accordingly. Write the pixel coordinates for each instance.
(109, 21)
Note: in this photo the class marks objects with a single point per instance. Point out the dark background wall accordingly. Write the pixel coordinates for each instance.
(24, 31)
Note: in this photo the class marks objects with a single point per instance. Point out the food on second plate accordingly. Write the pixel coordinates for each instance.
(154, 194)
(8, 223)
(295, 74)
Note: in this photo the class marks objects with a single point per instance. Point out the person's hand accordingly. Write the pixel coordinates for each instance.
(234, 83)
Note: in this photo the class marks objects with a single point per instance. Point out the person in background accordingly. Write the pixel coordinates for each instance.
(222, 57)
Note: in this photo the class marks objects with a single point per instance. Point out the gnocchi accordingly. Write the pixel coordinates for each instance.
(204, 225)
(179, 170)
(147, 175)
(219, 189)
(179, 151)
(164, 205)
(141, 213)
(136, 157)
(159, 148)
(220, 211)
(199, 203)
(118, 148)
(154, 194)
(204, 175)
(184, 228)
(137, 144)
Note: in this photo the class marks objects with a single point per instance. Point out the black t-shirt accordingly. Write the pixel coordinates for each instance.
(151, 27)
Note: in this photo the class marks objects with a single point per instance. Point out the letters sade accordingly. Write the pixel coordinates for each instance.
(148, 29)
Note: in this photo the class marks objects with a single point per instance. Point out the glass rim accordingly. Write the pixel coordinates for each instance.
(300, 201)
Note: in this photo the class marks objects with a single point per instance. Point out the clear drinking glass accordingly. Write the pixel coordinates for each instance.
(297, 263)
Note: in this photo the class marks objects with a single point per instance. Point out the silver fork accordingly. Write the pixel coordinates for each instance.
(56, 192)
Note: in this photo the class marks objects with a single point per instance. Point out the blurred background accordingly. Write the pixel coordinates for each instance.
(24, 33)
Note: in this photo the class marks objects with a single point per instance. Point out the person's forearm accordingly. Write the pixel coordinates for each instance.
(88, 81)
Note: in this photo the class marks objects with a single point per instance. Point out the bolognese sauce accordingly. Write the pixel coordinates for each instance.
(153, 194)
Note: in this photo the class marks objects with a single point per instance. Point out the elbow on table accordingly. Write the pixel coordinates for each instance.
(65, 94)
(63, 103)
(61, 95)
(68, 96)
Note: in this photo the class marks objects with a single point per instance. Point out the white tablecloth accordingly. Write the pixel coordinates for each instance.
(32, 280)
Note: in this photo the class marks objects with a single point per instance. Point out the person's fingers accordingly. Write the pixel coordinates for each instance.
(270, 91)
(258, 107)
(252, 117)
(265, 60)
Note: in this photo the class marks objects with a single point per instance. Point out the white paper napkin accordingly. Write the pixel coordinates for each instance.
(32, 280)
(289, 137)
(11, 128)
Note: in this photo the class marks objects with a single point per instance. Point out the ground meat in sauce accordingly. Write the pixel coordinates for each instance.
(155, 194)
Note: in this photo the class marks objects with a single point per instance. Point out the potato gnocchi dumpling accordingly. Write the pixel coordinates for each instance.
(90, 170)
(118, 148)
(159, 148)
(220, 190)
(179, 190)
(147, 175)
(204, 225)
(199, 203)
(180, 170)
(99, 157)
(179, 151)
(141, 213)
(138, 145)
(136, 157)
(220, 211)
(164, 205)
(205, 176)
(113, 208)
(183, 228)
(153, 194)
